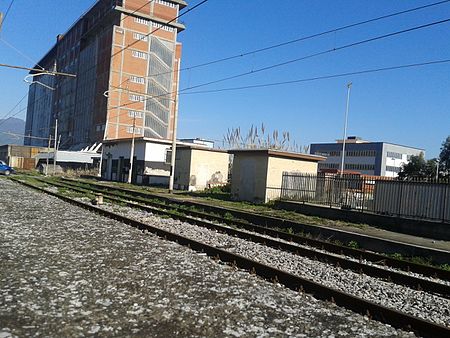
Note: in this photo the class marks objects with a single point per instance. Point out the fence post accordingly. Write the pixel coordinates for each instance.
(400, 198)
(444, 202)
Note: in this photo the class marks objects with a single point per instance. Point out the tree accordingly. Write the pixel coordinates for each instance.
(444, 157)
(418, 168)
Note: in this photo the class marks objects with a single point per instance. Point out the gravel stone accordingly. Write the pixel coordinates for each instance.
(68, 272)
(422, 304)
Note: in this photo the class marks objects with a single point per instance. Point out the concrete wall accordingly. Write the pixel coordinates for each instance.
(422, 228)
(197, 169)
(249, 177)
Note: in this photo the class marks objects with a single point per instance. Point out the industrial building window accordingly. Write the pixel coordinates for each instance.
(163, 27)
(392, 168)
(141, 21)
(138, 36)
(355, 166)
(392, 154)
(137, 79)
(137, 98)
(137, 131)
(139, 54)
(167, 3)
(135, 113)
(328, 166)
(335, 153)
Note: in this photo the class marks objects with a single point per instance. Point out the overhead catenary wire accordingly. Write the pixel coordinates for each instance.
(158, 28)
(6, 14)
(12, 109)
(324, 77)
(310, 79)
(350, 45)
(308, 37)
(331, 50)
(20, 53)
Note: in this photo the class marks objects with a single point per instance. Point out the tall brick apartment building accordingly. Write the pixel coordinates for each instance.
(141, 80)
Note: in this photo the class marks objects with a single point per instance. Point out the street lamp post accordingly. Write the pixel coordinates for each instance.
(349, 85)
(437, 169)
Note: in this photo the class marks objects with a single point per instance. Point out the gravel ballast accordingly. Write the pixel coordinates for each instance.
(68, 272)
(417, 303)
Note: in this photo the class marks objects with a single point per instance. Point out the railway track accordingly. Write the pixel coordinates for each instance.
(211, 214)
(376, 311)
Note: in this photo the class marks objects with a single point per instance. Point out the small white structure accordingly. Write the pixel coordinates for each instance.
(196, 166)
(151, 164)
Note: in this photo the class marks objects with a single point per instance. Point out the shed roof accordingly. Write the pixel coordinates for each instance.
(279, 153)
(199, 147)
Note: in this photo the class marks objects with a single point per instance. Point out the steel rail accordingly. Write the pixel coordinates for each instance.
(370, 270)
(404, 265)
(375, 311)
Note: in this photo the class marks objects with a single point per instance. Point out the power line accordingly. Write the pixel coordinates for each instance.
(17, 104)
(359, 72)
(308, 37)
(21, 53)
(136, 10)
(6, 14)
(318, 54)
(157, 29)
(324, 77)
(23, 135)
(308, 56)
(4, 121)
(43, 71)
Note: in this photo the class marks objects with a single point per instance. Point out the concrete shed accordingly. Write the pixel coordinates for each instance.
(257, 173)
(19, 156)
(199, 167)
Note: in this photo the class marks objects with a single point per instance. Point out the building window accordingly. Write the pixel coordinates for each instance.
(141, 21)
(356, 166)
(139, 36)
(137, 79)
(139, 54)
(137, 98)
(137, 131)
(335, 153)
(163, 27)
(328, 165)
(392, 154)
(135, 113)
(167, 3)
(392, 169)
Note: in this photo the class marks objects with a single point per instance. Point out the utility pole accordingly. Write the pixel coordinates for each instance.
(130, 172)
(48, 153)
(174, 139)
(349, 86)
(56, 146)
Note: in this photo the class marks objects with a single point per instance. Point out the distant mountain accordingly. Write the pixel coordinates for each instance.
(13, 126)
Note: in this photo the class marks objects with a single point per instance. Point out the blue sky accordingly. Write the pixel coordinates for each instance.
(408, 106)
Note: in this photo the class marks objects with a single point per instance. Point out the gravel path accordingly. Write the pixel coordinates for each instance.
(67, 272)
(417, 303)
